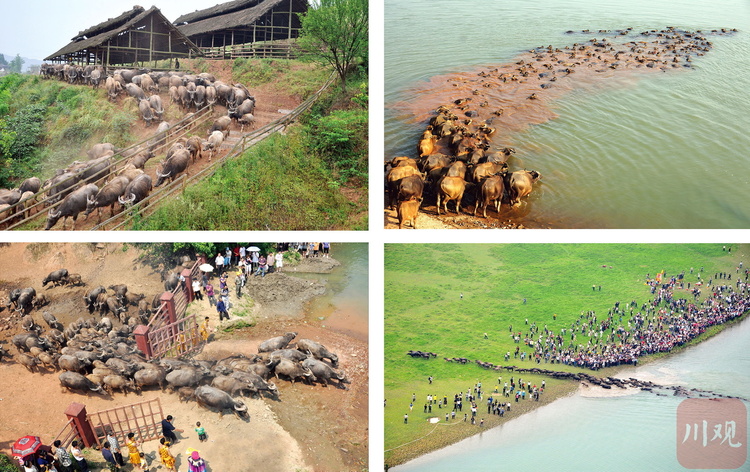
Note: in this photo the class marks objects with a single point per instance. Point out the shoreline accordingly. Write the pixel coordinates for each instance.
(573, 387)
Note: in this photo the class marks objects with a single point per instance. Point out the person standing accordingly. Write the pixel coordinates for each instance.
(210, 295)
(114, 446)
(205, 329)
(77, 454)
(166, 457)
(326, 249)
(197, 290)
(168, 429)
(109, 457)
(219, 262)
(279, 261)
(61, 455)
(134, 455)
(221, 309)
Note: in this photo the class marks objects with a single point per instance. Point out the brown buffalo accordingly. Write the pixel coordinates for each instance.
(450, 188)
(490, 191)
(407, 213)
(520, 184)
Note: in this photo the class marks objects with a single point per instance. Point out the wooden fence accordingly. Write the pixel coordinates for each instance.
(67, 434)
(43, 202)
(142, 418)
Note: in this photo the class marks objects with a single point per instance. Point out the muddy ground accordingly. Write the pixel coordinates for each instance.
(309, 427)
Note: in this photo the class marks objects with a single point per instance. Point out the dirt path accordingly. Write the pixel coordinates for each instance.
(309, 427)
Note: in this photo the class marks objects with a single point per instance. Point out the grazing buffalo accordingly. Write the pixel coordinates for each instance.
(213, 143)
(450, 188)
(136, 92)
(147, 113)
(520, 184)
(58, 277)
(156, 105)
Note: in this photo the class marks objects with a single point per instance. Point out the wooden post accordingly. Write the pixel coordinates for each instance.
(151, 41)
(141, 340)
(188, 287)
(77, 413)
(167, 300)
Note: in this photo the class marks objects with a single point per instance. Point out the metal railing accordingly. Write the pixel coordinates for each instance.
(142, 418)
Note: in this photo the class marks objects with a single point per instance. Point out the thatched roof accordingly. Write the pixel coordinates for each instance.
(229, 7)
(236, 19)
(180, 42)
(110, 24)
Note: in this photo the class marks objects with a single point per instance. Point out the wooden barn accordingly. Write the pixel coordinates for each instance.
(245, 28)
(133, 38)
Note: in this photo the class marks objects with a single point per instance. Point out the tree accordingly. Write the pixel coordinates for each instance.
(16, 64)
(3, 62)
(335, 31)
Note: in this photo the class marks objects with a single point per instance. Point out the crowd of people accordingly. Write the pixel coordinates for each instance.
(498, 401)
(58, 458)
(630, 331)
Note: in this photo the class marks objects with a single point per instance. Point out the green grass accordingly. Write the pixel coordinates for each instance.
(424, 311)
(276, 185)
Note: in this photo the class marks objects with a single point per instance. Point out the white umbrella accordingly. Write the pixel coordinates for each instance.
(253, 249)
(206, 267)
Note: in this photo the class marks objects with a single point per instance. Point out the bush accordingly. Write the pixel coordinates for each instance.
(7, 464)
(341, 140)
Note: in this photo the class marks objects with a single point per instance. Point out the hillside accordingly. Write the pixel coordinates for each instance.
(45, 125)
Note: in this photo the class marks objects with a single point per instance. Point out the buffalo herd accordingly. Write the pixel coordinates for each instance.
(111, 177)
(98, 353)
(471, 166)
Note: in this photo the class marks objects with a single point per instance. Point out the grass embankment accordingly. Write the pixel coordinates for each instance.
(313, 177)
(46, 124)
(424, 311)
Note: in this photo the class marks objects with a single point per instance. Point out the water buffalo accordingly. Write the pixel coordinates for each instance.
(51, 321)
(32, 184)
(520, 184)
(27, 361)
(317, 350)
(107, 196)
(228, 384)
(293, 371)
(173, 167)
(76, 381)
(410, 188)
(486, 169)
(247, 106)
(211, 96)
(210, 397)
(426, 146)
(113, 88)
(407, 213)
(138, 189)
(96, 169)
(199, 97)
(58, 277)
(501, 156)
(71, 206)
(246, 119)
(393, 181)
(291, 354)
(277, 343)
(194, 144)
(323, 372)
(172, 281)
(136, 92)
(147, 113)
(90, 297)
(72, 363)
(99, 150)
(112, 382)
(10, 197)
(186, 377)
(59, 186)
(221, 124)
(490, 191)
(255, 383)
(25, 300)
(213, 143)
(157, 106)
(151, 376)
(450, 188)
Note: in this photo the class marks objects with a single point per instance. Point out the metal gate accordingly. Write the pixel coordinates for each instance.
(143, 419)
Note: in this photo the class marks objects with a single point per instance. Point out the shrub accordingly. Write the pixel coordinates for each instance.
(341, 139)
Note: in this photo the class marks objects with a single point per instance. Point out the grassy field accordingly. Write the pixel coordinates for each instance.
(444, 298)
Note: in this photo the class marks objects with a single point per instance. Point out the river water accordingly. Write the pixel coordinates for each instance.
(627, 433)
(344, 305)
(664, 150)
